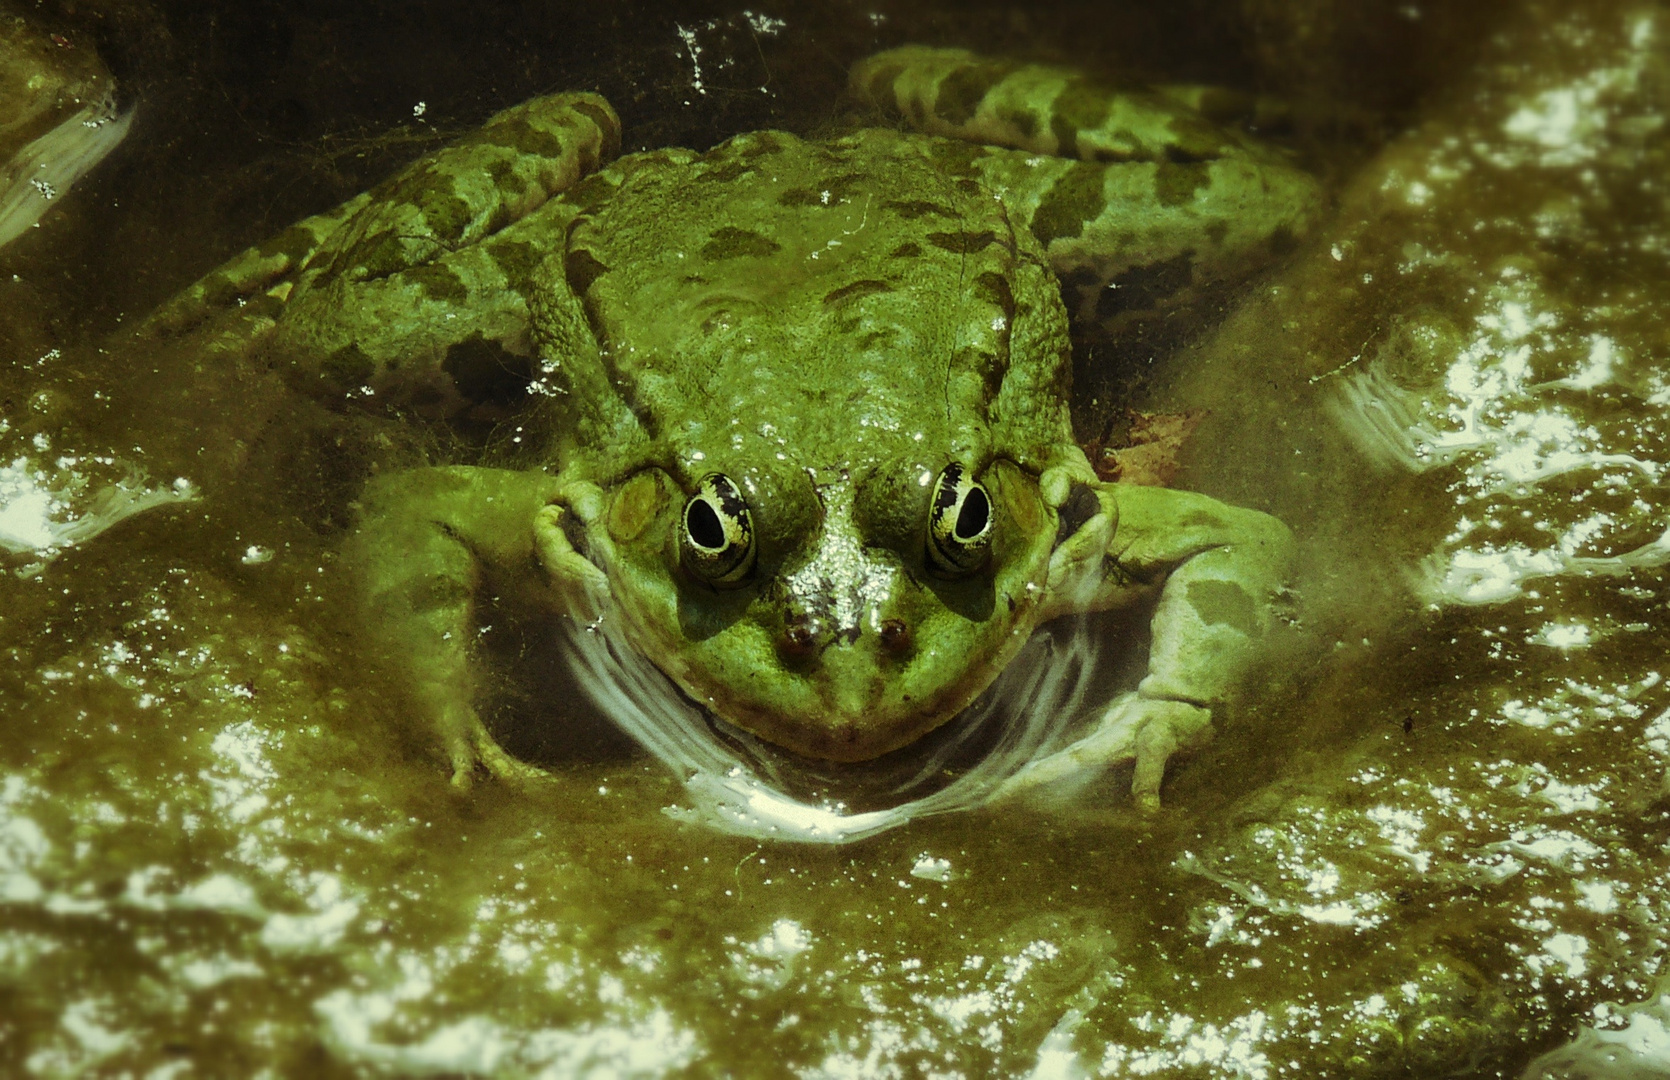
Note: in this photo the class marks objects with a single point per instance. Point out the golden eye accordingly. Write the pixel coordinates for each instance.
(959, 524)
(717, 544)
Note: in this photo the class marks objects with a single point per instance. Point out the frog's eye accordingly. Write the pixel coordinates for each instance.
(718, 540)
(959, 524)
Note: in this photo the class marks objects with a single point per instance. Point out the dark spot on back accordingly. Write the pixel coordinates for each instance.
(219, 290)
(856, 290)
(484, 371)
(994, 288)
(1075, 199)
(505, 176)
(906, 251)
(591, 191)
(348, 367)
(1124, 152)
(517, 260)
(378, 256)
(445, 213)
(725, 173)
(962, 243)
(918, 208)
(518, 134)
(295, 244)
(1193, 139)
(956, 157)
(834, 190)
(439, 283)
(758, 144)
(730, 242)
(1023, 120)
(1176, 185)
(880, 87)
(606, 124)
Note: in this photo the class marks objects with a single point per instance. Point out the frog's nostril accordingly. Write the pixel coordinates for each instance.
(799, 640)
(895, 635)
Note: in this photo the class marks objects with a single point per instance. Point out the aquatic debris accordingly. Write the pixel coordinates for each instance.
(1146, 452)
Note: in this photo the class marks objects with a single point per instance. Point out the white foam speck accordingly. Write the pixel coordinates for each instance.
(1597, 896)
(1563, 636)
(929, 868)
(1571, 950)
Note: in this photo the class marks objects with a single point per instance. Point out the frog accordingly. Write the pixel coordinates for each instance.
(803, 435)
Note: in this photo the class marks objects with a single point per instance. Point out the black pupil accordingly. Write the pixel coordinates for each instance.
(703, 524)
(972, 518)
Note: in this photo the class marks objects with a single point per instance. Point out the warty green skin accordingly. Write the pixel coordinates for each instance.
(830, 325)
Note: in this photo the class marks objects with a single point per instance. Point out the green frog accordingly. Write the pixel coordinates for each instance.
(804, 432)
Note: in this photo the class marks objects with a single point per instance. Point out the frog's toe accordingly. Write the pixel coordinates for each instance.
(501, 765)
(1168, 727)
(1133, 728)
(474, 751)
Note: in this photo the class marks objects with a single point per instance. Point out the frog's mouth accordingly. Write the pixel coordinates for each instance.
(740, 783)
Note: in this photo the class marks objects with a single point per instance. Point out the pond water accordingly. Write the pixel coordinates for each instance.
(1435, 844)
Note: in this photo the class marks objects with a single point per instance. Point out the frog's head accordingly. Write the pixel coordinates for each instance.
(845, 369)
(840, 614)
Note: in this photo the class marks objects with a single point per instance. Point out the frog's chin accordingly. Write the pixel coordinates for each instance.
(832, 734)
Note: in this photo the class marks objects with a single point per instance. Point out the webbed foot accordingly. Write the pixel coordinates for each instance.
(1133, 728)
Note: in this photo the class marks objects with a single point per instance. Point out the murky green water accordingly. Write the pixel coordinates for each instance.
(1436, 846)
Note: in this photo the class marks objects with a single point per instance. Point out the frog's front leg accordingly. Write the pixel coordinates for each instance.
(427, 539)
(1220, 571)
(1140, 200)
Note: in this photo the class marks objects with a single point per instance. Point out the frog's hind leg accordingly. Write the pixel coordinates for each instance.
(239, 284)
(1140, 200)
(472, 189)
(420, 300)
(428, 267)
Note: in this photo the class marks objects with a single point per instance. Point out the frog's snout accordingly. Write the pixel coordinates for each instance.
(805, 636)
(851, 671)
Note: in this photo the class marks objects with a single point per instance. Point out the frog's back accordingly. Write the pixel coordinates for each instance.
(860, 291)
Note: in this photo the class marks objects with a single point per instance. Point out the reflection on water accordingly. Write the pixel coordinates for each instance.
(740, 785)
(1436, 846)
